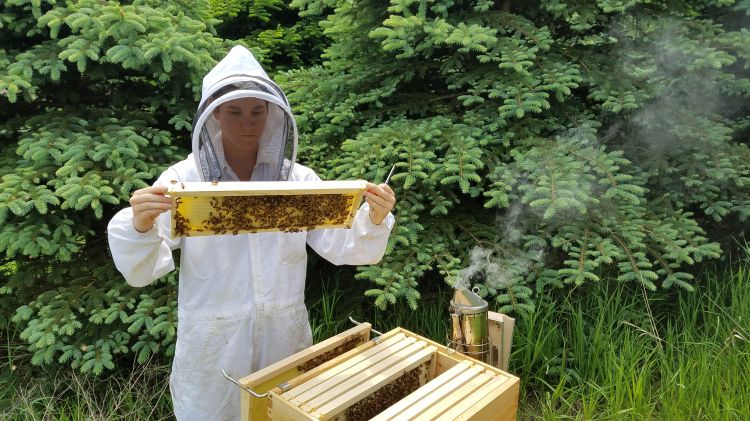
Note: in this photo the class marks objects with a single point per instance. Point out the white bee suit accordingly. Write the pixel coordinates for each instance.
(240, 297)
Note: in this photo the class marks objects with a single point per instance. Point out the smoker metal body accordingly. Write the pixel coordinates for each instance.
(469, 325)
(396, 376)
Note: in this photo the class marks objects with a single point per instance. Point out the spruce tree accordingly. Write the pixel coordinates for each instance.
(537, 145)
(97, 98)
(281, 38)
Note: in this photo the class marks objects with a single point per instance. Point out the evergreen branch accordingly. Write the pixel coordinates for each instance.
(476, 240)
(631, 258)
(582, 259)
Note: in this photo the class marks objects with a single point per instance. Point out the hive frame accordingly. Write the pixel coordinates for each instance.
(201, 192)
(287, 370)
(496, 396)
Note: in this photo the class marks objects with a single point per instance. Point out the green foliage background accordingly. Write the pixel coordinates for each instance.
(94, 95)
(607, 135)
(537, 145)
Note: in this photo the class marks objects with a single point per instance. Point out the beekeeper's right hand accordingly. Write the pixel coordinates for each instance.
(148, 204)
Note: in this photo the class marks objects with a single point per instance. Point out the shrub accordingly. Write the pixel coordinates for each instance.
(536, 144)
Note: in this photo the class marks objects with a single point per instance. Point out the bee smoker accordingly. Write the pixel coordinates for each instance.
(469, 325)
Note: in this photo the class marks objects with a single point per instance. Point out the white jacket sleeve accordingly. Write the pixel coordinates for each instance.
(363, 244)
(142, 258)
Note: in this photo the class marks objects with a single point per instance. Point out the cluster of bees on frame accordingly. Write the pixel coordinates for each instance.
(386, 396)
(288, 213)
(348, 344)
(181, 224)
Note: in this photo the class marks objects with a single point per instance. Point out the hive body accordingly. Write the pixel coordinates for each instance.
(204, 208)
(397, 376)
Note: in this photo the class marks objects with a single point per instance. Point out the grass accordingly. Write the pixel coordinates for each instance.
(594, 356)
(592, 353)
(141, 393)
(595, 353)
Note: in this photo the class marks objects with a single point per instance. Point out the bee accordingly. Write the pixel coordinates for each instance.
(285, 213)
(387, 395)
(181, 224)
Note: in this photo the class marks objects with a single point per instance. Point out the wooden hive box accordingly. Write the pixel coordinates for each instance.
(396, 376)
(234, 207)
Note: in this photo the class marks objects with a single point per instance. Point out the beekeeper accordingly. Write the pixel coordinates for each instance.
(240, 301)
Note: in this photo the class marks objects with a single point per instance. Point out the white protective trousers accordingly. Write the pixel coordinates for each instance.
(240, 297)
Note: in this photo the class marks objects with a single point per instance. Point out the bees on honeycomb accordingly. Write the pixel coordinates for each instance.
(348, 344)
(386, 395)
(181, 224)
(287, 213)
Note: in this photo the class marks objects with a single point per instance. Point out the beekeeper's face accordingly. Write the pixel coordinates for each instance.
(242, 122)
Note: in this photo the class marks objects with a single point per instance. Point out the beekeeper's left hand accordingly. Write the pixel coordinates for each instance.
(381, 199)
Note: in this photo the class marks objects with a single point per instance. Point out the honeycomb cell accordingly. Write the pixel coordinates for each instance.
(213, 209)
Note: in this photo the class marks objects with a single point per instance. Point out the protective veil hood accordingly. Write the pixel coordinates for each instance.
(239, 75)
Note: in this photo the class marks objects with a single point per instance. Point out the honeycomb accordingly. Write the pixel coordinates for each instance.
(387, 395)
(215, 212)
(347, 345)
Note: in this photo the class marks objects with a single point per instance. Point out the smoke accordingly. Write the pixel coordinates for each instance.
(686, 119)
(611, 132)
(503, 264)
(663, 56)
(512, 231)
(479, 259)
(683, 73)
